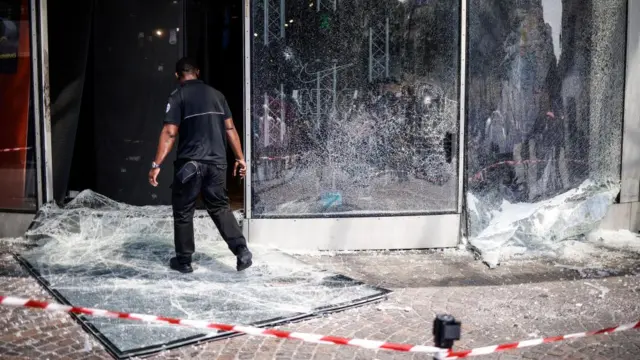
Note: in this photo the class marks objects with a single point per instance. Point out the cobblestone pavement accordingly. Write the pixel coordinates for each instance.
(518, 300)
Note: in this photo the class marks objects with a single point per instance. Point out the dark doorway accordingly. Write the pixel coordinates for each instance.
(214, 38)
(110, 85)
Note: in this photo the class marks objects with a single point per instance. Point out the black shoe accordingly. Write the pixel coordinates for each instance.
(244, 258)
(183, 268)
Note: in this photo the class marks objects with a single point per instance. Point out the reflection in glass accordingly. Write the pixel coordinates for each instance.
(545, 98)
(354, 106)
(17, 148)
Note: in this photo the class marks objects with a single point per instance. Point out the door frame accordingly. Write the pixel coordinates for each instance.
(41, 100)
(358, 232)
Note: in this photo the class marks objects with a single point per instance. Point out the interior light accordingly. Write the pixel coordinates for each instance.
(177, 29)
(290, 21)
(159, 32)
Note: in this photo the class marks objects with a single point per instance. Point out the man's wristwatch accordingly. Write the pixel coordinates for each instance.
(155, 166)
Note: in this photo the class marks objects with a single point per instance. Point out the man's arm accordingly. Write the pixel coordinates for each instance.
(236, 147)
(172, 120)
(167, 139)
(234, 139)
(166, 142)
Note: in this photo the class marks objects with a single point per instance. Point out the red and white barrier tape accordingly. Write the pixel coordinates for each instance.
(312, 338)
(15, 149)
(452, 354)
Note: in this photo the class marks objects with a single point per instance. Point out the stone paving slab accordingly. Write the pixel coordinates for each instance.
(28, 334)
(518, 300)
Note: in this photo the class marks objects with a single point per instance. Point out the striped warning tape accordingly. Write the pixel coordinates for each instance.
(14, 149)
(313, 338)
(452, 354)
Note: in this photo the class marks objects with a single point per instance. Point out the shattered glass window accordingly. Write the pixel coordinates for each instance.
(354, 107)
(545, 97)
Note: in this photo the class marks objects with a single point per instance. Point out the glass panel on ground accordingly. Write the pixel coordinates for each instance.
(545, 93)
(354, 107)
(17, 138)
(103, 254)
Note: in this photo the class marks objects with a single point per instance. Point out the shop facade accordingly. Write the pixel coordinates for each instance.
(367, 124)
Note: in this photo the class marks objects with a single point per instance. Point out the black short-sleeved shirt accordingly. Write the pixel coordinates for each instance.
(200, 112)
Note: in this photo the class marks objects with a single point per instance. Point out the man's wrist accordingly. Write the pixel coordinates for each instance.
(155, 165)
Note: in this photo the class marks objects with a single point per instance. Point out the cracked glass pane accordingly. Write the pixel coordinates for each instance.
(354, 107)
(545, 94)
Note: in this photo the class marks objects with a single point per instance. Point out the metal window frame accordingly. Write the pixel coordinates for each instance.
(35, 82)
(630, 167)
(42, 108)
(246, 52)
(356, 232)
(41, 101)
(462, 108)
(45, 98)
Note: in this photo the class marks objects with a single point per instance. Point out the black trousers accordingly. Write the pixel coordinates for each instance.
(192, 178)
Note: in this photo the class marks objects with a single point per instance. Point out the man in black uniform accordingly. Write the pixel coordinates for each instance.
(201, 116)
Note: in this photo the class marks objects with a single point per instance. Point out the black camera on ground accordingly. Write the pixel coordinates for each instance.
(446, 330)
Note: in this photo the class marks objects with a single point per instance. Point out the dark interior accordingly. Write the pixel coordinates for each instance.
(111, 72)
(214, 39)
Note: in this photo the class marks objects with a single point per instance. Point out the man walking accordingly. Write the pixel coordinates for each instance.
(201, 116)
